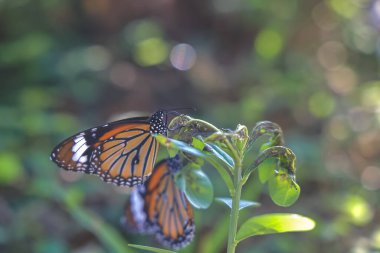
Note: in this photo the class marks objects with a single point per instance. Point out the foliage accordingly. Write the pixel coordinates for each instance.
(310, 66)
(229, 147)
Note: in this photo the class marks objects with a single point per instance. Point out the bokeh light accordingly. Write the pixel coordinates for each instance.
(321, 104)
(151, 51)
(332, 54)
(370, 178)
(182, 56)
(123, 75)
(342, 80)
(268, 43)
(345, 8)
(360, 119)
(96, 58)
(358, 209)
(338, 128)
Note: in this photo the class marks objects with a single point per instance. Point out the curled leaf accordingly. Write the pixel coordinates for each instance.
(270, 129)
(188, 128)
(283, 190)
(285, 156)
(177, 123)
(243, 137)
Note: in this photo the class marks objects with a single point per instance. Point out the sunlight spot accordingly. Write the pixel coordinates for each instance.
(358, 209)
(345, 8)
(338, 128)
(370, 178)
(342, 80)
(152, 51)
(123, 75)
(321, 104)
(183, 56)
(370, 96)
(360, 119)
(269, 44)
(96, 58)
(368, 143)
(332, 54)
(376, 238)
(375, 13)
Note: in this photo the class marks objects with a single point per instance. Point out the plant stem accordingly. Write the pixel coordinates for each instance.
(234, 216)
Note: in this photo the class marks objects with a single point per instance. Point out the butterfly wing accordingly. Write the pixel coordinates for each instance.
(135, 218)
(169, 209)
(166, 210)
(122, 152)
(127, 157)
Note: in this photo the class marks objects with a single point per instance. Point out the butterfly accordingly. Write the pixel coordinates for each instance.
(122, 152)
(160, 207)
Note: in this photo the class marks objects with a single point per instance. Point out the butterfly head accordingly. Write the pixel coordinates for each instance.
(158, 122)
(175, 164)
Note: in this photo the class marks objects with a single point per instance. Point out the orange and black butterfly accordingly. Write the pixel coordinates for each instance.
(122, 152)
(160, 207)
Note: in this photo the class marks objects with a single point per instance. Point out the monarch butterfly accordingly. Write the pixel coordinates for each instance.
(122, 152)
(160, 207)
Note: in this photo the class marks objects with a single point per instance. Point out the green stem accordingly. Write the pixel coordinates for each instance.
(234, 217)
(237, 157)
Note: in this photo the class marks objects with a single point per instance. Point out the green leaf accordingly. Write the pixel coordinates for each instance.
(266, 170)
(151, 249)
(198, 188)
(266, 145)
(274, 223)
(178, 145)
(221, 155)
(180, 180)
(243, 203)
(198, 144)
(283, 190)
(223, 170)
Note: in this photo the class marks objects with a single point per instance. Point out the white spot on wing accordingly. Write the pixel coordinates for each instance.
(78, 143)
(80, 152)
(83, 159)
(137, 207)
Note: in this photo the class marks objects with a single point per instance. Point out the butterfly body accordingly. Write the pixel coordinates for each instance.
(122, 152)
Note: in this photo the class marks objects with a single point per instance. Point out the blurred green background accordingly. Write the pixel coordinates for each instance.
(311, 66)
